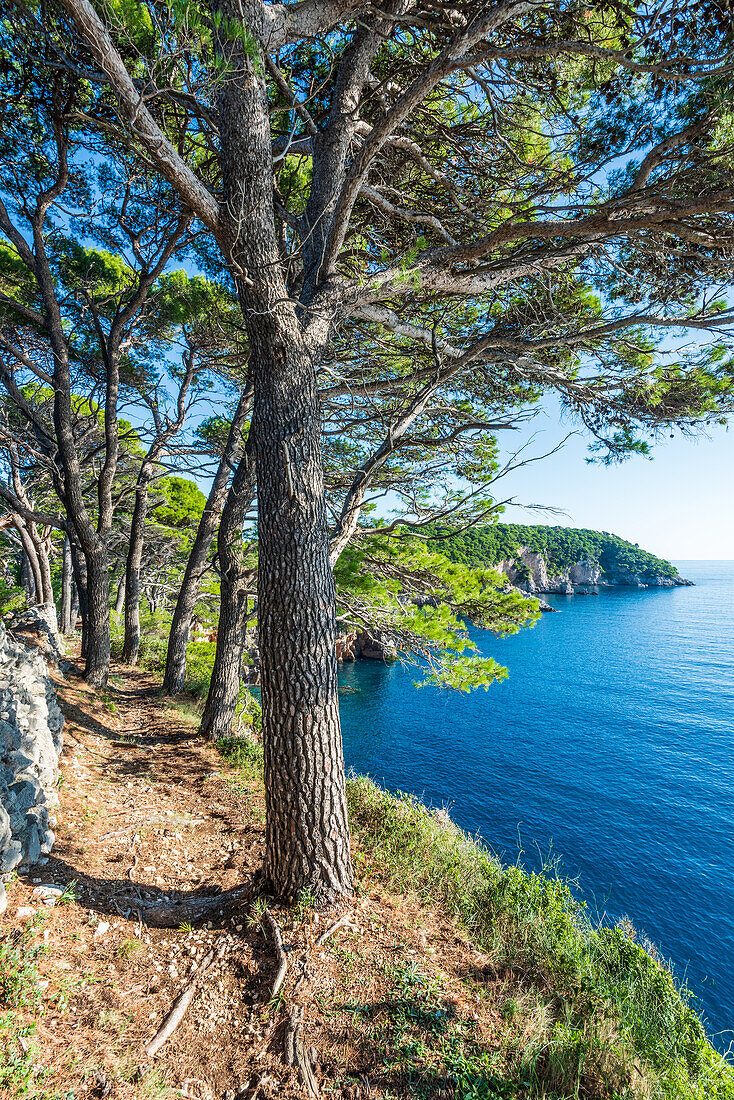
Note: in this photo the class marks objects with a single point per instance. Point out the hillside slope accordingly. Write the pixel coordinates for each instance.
(559, 559)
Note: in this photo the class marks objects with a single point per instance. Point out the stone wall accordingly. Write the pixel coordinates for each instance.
(30, 742)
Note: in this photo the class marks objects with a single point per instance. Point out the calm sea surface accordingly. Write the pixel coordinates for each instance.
(611, 745)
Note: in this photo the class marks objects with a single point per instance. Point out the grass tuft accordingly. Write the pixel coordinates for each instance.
(20, 998)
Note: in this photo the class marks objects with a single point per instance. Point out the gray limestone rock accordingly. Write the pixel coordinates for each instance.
(31, 727)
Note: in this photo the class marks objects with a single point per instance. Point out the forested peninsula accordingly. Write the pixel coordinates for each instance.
(563, 560)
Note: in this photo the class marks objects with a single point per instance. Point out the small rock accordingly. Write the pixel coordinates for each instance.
(101, 929)
(45, 892)
(25, 911)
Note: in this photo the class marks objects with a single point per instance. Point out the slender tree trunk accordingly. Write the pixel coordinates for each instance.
(175, 674)
(96, 634)
(120, 598)
(66, 579)
(44, 565)
(79, 565)
(34, 584)
(74, 605)
(27, 582)
(131, 644)
(226, 675)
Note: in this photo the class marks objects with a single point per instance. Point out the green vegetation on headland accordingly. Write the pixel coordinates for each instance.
(561, 547)
(586, 1011)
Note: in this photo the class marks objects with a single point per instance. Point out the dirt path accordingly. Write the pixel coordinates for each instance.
(150, 813)
(146, 809)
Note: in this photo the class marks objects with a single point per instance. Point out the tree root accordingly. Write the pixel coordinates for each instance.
(295, 1055)
(279, 951)
(330, 931)
(181, 1004)
(192, 911)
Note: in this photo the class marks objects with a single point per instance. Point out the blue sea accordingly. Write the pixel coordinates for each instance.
(610, 746)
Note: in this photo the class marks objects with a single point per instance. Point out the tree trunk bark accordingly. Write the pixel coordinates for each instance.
(307, 833)
(47, 588)
(131, 644)
(74, 605)
(34, 583)
(27, 583)
(79, 566)
(175, 674)
(66, 581)
(225, 682)
(97, 650)
(120, 599)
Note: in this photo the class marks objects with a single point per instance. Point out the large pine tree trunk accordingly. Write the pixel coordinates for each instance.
(225, 682)
(97, 647)
(307, 834)
(175, 674)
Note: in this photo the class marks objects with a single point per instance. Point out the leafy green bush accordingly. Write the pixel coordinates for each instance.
(12, 599)
(243, 753)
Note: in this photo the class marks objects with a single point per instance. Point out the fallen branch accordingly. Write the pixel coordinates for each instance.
(146, 821)
(279, 951)
(295, 1054)
(181, 1004)
(330, 931)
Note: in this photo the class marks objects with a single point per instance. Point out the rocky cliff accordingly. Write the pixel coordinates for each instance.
(529, 572)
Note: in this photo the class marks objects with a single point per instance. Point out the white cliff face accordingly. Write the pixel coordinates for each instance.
(31, 726)
(586, 573)
(529, 573)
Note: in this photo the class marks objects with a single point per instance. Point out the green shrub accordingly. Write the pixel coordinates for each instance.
(605, 1018)
(12, 600)
(243, 753)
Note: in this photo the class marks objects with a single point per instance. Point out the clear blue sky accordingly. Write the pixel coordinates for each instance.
(679, 505)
